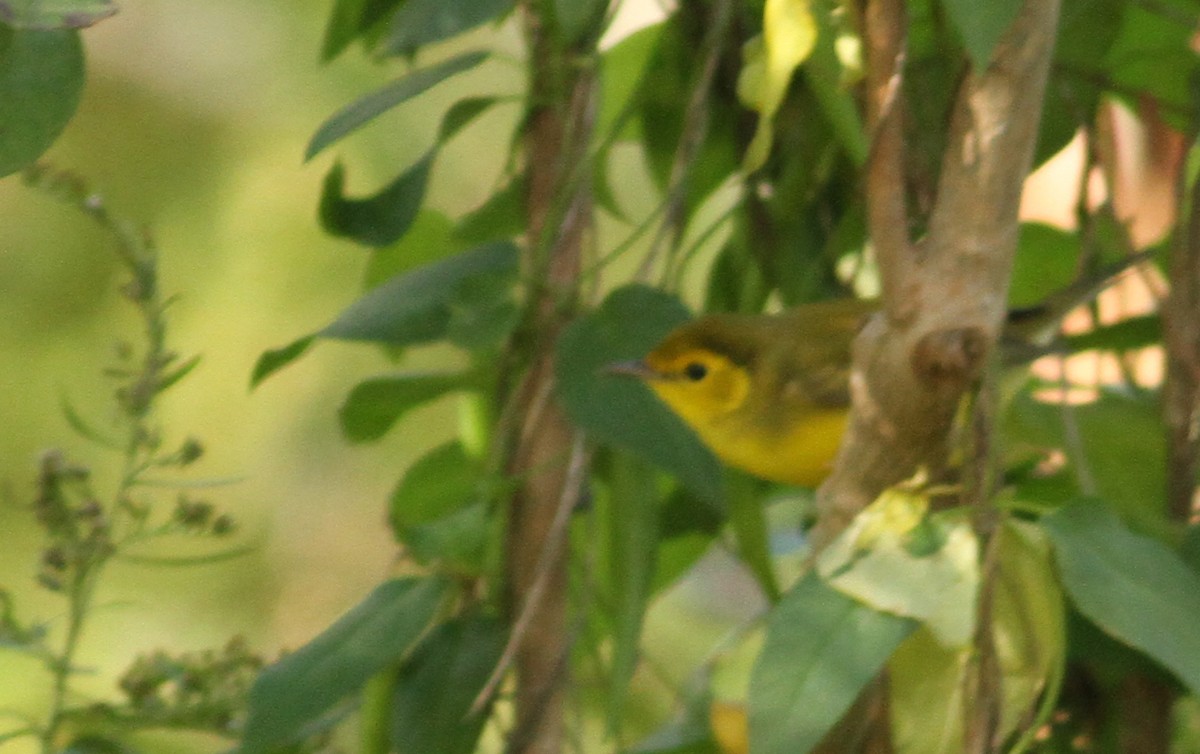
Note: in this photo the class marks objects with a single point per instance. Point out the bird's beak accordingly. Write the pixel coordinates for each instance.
(635, 368)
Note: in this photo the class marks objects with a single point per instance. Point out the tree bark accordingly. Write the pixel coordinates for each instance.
(944, 295)
(559, 212)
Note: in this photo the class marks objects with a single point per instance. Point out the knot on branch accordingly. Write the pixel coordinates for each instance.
(951, 357)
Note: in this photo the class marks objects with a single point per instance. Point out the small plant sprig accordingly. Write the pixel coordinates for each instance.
(85, 530)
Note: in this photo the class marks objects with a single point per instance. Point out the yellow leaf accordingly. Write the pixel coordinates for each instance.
(728, 721)
(789, 34)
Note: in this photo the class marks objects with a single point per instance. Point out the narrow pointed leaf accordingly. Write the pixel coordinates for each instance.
(632, 528)
(423, 22)
(431, 712)
(361, 112)
(297, 690)
(275, 359)
(380, 219)
(419, 305)
(374, 406)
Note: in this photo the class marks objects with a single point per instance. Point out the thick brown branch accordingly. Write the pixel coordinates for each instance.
(944, 302)
(559, 212)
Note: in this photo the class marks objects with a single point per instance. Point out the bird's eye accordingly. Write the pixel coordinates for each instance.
(695, 371)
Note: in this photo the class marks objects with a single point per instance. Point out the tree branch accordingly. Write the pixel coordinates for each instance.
(944, 296)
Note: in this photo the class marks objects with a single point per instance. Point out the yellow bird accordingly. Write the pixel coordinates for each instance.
(767, 393)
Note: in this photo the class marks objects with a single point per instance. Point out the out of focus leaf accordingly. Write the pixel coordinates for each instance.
(789, 35)
(822, 648)
(296, 691)
(417, 306)
(879, 560)
(1153, 55)
(431, 712)
(926, 687)
(981, 25)
(632, 528)
(422, 22)
(502, 215)
(1126, 335)
(362, 111)
(1118, 441)
(380, 219)
(1047, 260)
(927, 680)
(428, 239)
(275, 359)
(54, 14)
(374, 406)
(41, 78)
(443, 480)
(1135, 588)
(96, 745)
(350, 20)
(625, 63)
(457, 542)
(620, 410)
(461, 114)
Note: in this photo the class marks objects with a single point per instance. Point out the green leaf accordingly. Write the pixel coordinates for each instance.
(417, 306)
(442, 481)
(423, 22)
(275, 359)
(927, 680)
(1134, 588)
(619, 410)
(375, 405)
(1126, 335)
(380, 219)
(502, 215)
(624, 66)
(345, 24)
(821, 650)
(460, 115)
(429, 238)
(981, 24)
(456, 542)
(91, 744)
(925, 689)
(877, 560)
(350, 20)
(54, 14)
(748, 520)
(632, 528)
(41, 78)
(431, 712)
(295, 691)
(362, 111)
(1115, 442)
(85, 430)
(1153, 55)
(1047, 260)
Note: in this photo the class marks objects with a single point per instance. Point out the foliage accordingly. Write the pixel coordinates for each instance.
(755, 140)
(86, 528)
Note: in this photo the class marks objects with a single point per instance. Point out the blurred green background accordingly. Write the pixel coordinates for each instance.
(193, 122)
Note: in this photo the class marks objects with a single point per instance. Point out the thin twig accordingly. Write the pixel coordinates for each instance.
(555, 537)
